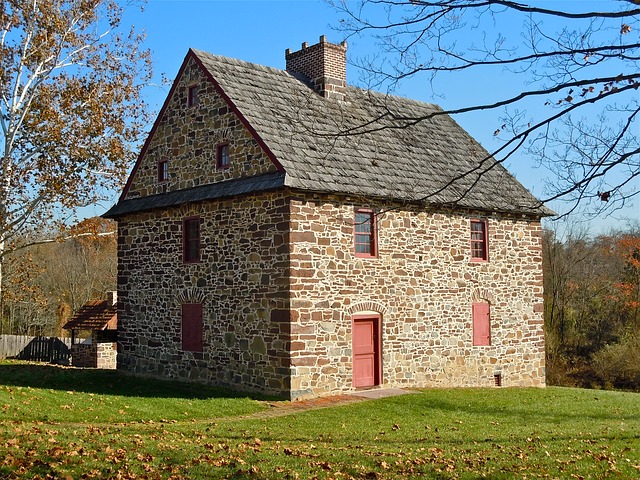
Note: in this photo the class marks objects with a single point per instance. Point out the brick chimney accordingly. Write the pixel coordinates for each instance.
(324, 63)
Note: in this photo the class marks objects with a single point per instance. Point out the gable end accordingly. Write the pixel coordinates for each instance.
(192, 55)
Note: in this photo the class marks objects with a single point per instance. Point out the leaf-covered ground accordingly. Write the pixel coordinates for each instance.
(69, 423)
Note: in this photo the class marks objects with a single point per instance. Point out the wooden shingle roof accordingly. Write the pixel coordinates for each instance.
(321, 144)
(94, 315)
(362, 146)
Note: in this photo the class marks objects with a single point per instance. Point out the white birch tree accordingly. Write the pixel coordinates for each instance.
(71, 112)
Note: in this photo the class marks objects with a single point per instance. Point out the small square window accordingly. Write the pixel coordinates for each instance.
(163, 170)
(191, 240)
(365, 233)
(223, 156)
(192, 96)
(479, 241)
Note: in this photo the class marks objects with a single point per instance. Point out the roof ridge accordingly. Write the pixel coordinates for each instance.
(300, 77)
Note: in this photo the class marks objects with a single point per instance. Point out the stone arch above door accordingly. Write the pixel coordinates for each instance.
(191, 295)
(366, 306)
(480, 295)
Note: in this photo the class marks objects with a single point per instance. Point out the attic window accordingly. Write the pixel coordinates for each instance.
(192, 96)
(223, 156)
(163, 170)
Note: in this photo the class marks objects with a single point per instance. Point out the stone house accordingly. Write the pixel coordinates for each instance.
(286, 233)
(100, 318)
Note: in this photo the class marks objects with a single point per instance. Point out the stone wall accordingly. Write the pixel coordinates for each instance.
(422, 285)
(242, 281)
(266, 292)
(94, 355)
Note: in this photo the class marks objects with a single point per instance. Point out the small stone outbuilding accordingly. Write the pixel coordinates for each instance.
(283, 232)
(100, 317)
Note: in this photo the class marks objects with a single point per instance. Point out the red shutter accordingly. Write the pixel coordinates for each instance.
(192, 327)
(481, 324)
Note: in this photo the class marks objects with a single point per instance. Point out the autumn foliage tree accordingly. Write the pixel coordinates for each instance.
(71, 111)
(560, 80)
(592, 309)
(628, 288)
(47, 282)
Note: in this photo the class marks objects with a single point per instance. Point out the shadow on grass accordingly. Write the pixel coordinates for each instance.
(108, 382)
(552, 405)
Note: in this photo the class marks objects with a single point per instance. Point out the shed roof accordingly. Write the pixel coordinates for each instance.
(94, 315)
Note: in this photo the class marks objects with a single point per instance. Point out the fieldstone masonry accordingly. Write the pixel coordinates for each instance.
(422, 286)
(280, 283)
(242, 281)
(186, 137)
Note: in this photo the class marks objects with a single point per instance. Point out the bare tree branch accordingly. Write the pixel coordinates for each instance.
(574, 61)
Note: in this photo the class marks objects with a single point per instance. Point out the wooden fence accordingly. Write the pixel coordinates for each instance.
(39, 349)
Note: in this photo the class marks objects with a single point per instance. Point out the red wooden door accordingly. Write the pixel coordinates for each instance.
(481, 324)
(365, 352)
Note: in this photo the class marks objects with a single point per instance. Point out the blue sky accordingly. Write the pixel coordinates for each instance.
(260, 32)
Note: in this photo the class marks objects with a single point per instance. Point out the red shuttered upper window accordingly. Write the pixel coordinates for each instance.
(365, 234)
(479, 241)
(192, 327)
(481, 324)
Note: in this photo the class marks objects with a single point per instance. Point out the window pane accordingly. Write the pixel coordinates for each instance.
(192, 99)
(478, 240)
(364, 236)
(191, 239)
(223, 156)
(163, 170)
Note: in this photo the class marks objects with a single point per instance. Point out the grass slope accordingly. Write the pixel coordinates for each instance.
(68, 423)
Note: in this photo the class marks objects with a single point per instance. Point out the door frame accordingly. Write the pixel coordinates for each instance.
(377, 346)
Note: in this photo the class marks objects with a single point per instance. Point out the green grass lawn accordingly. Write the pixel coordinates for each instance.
(69, 423)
